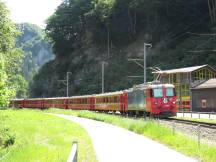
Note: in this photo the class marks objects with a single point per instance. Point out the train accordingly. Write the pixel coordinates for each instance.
(158, 100)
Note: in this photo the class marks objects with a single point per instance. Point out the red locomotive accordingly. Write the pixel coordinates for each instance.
(152, 99)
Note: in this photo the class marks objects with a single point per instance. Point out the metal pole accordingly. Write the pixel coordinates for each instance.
(108, 42)
(198, 135)
(191, 97)
(74, 153)
(68, 83)
(173, 127)
(103, 76)
(144, 63)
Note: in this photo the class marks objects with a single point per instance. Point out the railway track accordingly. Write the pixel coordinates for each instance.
(189, 122)
(173, 120)
(196, 124)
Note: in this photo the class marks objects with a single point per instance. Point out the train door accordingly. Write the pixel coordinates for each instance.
(122, 103)
(148, 99)
(125, 96)
(92, 103)
(66, 103)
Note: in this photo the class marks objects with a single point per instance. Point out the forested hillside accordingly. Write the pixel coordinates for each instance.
(86, 32)
(12, 82)
(37, 50)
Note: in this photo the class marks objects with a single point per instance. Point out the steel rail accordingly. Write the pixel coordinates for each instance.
(190, 122)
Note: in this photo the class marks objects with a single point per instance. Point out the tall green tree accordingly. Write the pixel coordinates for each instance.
(5, 92)
(10, 58)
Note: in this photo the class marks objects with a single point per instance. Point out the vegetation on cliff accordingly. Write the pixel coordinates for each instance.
(37, 50)
(11, 79)
(86, 32)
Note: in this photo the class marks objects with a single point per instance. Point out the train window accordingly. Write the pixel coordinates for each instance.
(114, 99)
(170, 92)
(98, 100)
(157, 92)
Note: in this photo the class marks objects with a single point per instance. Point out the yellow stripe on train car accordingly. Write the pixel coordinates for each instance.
(185, 98)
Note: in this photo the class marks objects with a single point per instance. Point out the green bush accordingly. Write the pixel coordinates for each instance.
(6, 138)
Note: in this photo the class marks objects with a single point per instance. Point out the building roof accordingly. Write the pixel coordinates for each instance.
(182, 70)
(211, 83)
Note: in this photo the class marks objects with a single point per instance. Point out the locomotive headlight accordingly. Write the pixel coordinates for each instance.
(174, 102)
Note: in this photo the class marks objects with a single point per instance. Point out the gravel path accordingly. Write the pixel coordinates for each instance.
(114, 144)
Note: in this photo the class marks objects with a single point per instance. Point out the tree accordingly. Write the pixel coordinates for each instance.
(10, 57)
(79, 30)
(5, 92)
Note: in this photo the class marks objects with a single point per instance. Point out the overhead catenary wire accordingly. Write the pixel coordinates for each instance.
(200, 51)
(186, 30)
(206, 34)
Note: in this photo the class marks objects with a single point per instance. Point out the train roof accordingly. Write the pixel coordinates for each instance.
(54, 98)
(151, 85)
(135, 87)
(162, 85)
(17, 99)
(21, 99)
(85, 96)
(70, 97)
(109, 94)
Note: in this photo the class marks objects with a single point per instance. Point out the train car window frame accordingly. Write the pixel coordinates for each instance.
(170, 92)
(157, 92)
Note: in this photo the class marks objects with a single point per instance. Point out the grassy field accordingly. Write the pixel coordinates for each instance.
(39, 137)
(199, 120)
(152, 129)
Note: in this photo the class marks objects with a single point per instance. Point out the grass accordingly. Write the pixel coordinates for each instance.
(39, 137)
(199, 120)
(177, 141)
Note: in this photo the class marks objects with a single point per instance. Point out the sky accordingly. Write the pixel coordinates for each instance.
(31, 11)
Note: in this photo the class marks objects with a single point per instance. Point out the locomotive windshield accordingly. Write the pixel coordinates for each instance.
(158, 92)
(170, 92)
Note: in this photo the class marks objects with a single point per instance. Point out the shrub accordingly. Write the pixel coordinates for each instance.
(6, 138)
